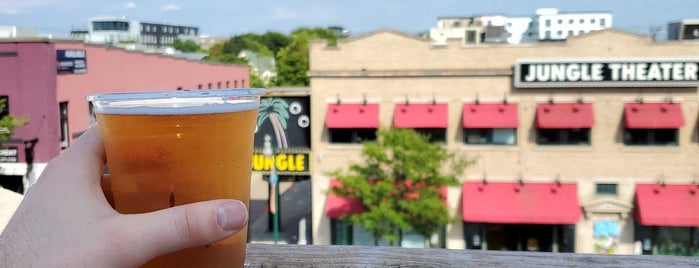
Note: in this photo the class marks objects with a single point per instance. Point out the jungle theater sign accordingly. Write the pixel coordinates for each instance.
(637, 72)
(284, 123)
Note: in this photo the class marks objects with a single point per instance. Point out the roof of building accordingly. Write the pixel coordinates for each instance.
(56, 40)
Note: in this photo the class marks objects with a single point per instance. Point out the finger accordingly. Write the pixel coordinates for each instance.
(185, 226)
(89, 147)
(86, 156)
(107, 189)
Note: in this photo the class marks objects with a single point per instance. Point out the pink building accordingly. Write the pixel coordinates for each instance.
(47, 81)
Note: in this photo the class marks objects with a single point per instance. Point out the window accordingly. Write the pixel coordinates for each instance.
(433, 134)
(571, 33)
(91, 113)
(547, 23)
(496, 136)
(606, 188)
(559, 34)
(210, 85)
(579, 136)
(361, 236)
(63, 112)
(242, 83)
(228, 84)
(666, 137)
(603, 22)
(4, 106)
(582, 21)
(110, 26)
(341, 232)
(570, 21)
(592, 21)
(199, 86)
(560, 21)
(352, 135)
(218, 85)
(547, 35)
(235, 83)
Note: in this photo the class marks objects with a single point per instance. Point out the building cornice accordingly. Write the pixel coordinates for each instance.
(414, 73)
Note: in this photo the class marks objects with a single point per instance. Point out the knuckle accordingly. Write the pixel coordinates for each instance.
(188, 227)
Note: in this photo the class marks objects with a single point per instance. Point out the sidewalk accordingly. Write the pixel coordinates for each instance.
(9, 201)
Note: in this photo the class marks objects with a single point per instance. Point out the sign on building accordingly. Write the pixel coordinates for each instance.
(71, 61)
(607, 73)
(284, 121)
(8, 155)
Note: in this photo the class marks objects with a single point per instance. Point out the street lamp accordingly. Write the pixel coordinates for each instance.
(268, 151)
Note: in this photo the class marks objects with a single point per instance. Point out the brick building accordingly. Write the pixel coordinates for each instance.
(47, 80)
(589, 145)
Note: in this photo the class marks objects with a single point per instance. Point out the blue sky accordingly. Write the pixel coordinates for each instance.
(227, 17)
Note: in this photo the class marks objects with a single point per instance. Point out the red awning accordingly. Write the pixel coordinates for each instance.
(416, 115)
(564, 115)
(669, 205)
(355, 115)
(530, 203)
(653, 115)
(490, 115)
(336, 206)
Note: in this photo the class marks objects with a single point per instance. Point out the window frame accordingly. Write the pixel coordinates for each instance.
(602, 192)
(356, 135)
(6, 110)
(432, 138)
(564, 136)
(64, 124)
(650, 137)
(489, 133)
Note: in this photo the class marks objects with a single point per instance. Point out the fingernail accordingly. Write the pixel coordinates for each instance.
(231, 215)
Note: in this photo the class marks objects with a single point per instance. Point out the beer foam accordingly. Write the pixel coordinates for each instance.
(175, 106)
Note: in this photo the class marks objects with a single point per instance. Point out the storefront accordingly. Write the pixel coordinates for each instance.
(520, 216)
(281, 181)
(667, 219)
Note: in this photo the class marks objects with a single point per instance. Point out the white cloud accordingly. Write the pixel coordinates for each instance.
(171, 7)
(17, 6)
(130, 5)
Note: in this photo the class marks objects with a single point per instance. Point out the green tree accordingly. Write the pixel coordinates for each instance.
(185, 46)
(8, 123)
(275, 41)
(399, 183)
(292, 60)
(227, 52)
(217, 54)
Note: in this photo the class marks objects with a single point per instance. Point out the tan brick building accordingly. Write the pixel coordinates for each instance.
(589, 145)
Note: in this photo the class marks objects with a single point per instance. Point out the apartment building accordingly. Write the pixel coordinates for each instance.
(548, 24)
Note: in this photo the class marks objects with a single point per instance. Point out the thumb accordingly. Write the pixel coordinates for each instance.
(185, 226)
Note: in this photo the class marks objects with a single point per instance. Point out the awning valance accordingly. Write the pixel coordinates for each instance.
(490, 115)
(668, 205)
(352, 115)
(515, 203)
(337, 206)
(653, 115)
(564, 115)
(421, 115)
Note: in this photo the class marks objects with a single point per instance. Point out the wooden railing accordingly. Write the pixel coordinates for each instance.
(269, 256)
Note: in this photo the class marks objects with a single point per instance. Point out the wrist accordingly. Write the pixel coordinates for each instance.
(8, 253)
